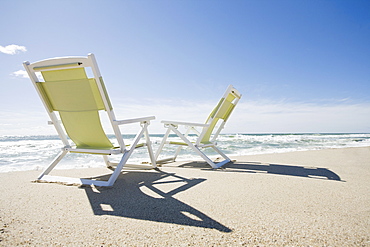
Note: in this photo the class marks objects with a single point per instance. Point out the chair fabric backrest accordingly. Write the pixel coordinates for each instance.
(78, 101)
(222, 112)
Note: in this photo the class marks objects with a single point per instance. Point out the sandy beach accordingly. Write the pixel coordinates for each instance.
(307, 198)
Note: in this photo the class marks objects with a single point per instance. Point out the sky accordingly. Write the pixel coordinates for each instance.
(302, 66)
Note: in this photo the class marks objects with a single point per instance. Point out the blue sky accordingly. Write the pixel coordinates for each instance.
(302, 66)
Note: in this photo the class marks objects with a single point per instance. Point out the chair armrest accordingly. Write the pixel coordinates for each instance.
(185, 123)
(134, 120)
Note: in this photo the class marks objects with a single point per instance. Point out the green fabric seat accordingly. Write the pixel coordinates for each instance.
(75, 104)
(206, 137)
(78, 101)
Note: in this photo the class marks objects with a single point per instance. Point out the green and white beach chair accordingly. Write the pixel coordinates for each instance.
(75, 104)
(206, 134)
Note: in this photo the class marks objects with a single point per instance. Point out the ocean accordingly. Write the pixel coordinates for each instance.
(21, 153)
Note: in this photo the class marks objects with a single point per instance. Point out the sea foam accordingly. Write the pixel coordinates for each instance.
(20, 153)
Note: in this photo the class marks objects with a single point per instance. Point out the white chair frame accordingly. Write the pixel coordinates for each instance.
(89, 61)
(173, 126)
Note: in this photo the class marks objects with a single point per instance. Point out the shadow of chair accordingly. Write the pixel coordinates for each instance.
(149, 196)
(279, 169)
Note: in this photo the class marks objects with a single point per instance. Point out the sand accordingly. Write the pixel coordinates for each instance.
(308, 198)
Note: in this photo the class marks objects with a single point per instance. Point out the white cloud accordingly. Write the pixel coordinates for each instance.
(12, 49)
(23, 74)
(20, 73)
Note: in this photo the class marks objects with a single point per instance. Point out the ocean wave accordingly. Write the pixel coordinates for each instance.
(19, 153)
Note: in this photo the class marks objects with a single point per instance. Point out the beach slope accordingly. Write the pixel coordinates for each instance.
(308, 198)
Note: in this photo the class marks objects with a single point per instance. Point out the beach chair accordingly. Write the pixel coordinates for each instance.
(205, 134)
(75, 104)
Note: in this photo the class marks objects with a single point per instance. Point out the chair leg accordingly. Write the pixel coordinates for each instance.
(107, 162)
(163, 142)
(209, 161)
(57, 159)
(149, 146)
(125, 157)
(178, 149)
(205, 157)
(119, 167)
(116, 171)
(183, 137)
(221, 153)
(198, 151)
(195, 148)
